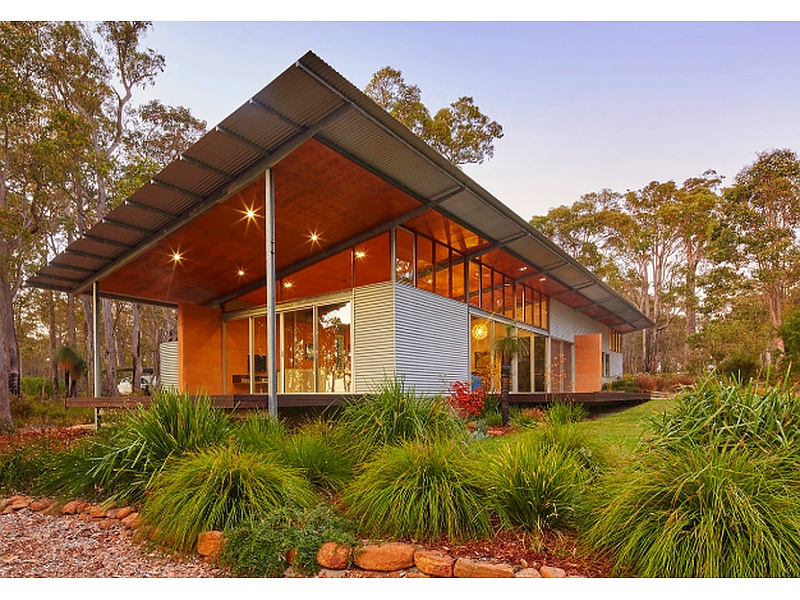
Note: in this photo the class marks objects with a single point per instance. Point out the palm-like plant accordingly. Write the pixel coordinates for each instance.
(508, 347)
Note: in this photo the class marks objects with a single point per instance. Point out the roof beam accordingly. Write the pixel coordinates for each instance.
(60, 265)
(127, 226)
(152, 209)
(242, 140)
(496, 245)
(271, 111)
(175, 188)
(201, 165)
(101, 240)
(83, 254)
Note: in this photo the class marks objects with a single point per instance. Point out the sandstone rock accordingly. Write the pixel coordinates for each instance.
(209, 543)
(332, 555)
(18, 503)
(131, 521)
(416, 574)
(465, 567)
(434, 563)
(72, 508)
(384, 557)
(40, 505)
(552, 572)
(96, 511)
(123, 512)
(528, 572)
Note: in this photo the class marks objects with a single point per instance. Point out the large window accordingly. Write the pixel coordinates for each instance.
(334, 371)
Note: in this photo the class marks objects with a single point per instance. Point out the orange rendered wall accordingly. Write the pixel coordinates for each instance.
(589, 362)
(199, 349)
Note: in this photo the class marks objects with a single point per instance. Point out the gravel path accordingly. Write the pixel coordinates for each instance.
(33, 544)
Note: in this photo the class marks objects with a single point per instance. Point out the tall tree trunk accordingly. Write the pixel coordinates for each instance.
(53, 342)
(88, 332)
(109, 350)
(6, 423)
(8, 335)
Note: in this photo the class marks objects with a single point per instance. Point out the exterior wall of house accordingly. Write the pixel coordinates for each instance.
(431, 339)
(373, 336)
(567, 323)
(199, 349)
(168, 361)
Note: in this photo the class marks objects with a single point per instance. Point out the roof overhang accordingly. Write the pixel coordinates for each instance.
(310, 124)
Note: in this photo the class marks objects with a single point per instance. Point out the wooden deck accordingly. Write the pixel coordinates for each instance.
(322, 401)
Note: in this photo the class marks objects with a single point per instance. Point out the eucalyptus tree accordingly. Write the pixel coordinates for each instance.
(757, 238)
(460, 132)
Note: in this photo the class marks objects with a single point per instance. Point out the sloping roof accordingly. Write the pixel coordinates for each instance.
(309, 101)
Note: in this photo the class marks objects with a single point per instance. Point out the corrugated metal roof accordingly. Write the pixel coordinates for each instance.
(310, 99)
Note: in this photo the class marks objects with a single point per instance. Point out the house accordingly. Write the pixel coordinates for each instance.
(312, 245)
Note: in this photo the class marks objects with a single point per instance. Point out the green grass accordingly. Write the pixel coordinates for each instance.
(616, 436)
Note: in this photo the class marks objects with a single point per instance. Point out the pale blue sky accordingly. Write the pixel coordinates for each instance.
(584, 105)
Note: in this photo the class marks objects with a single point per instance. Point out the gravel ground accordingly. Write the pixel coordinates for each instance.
(39, 545)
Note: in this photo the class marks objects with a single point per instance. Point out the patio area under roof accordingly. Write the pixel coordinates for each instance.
(343, 172)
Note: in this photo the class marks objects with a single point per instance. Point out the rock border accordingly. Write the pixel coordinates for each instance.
(370, 559)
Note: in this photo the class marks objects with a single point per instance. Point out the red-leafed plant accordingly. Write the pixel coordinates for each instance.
(466, 399)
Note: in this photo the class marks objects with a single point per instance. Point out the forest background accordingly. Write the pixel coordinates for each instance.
(714, 266)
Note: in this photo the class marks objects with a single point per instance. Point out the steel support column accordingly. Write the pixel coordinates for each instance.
(97, 387)
(269, 229)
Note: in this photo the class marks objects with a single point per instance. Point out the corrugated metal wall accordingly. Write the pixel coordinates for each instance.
(168, 353)
(566, 323)
(373, 335)
(432, 339)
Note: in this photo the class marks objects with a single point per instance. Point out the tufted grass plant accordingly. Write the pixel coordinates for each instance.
(219, 488)
(312, 449)
(702, 511)
(260, 431)
(423, 490)
(535, 485)
(561, 413)
(730, 412)
(394, 413)
(126, 456)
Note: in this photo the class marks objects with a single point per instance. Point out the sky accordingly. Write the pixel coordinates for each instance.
(584, 104)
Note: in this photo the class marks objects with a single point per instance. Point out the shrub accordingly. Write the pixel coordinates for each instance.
(393, 414)
(312, 450)
(535, 486)
(219, 488)
(465, 399)
(717, 411)
(262, 549)
(125, 459)
(260, 431)
(703, 511)
(559, 413)
(527, 418)
(420, 490)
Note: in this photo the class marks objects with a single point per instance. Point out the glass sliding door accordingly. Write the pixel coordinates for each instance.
(298, 351)
(334, 372)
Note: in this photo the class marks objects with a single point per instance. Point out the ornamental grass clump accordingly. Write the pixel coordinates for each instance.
(312, 450)
(126, 457)
(730, 412)
(713, 492)
(393, 414)
(561, 413)
(702, 511)
(219, 488)
(536, 486)
(423, 490)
